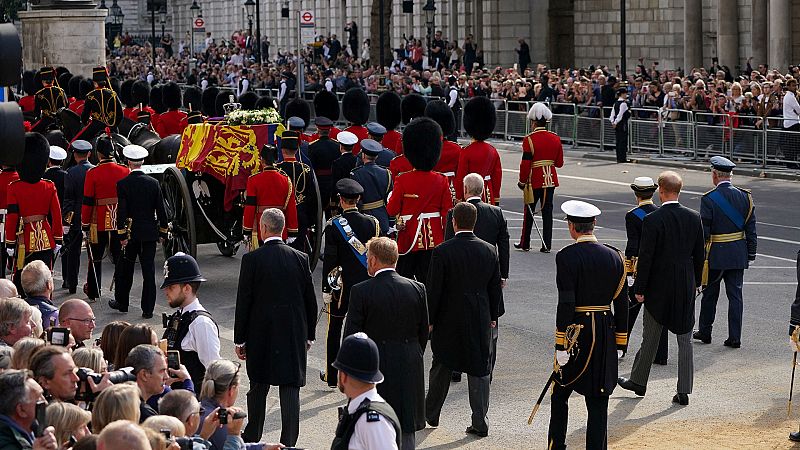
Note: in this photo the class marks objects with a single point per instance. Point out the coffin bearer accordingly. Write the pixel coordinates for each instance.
(480, 156)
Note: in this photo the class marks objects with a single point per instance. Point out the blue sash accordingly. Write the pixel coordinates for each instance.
(639, 212)
(350, 237)
(727, 209)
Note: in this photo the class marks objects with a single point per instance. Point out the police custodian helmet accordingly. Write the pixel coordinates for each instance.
(358, 357)
(181, 268)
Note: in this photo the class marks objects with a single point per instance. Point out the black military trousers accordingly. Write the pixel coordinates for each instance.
(663, 344)
(333, 338)
(544, 198)
(257, 409)
(146, 253)
(734, 281)
(105, 239)
(45, 256)
(621, 134)
(596, 423)
(414, 265)
(71, 257)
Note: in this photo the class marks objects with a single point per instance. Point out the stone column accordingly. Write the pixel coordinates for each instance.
(760, 28)
(780, 34)
(453, 32)
(539, 39)
(728, 33)
(477, 24)
(73, 38)
(692, 34)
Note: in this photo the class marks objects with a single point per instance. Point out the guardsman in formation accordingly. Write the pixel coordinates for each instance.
(542, 153)
(54, 171)
(269, 188)
(355, 106)
(30, 235)
(171, 121)
(71, 210)
(48, 100)
(345, 163)
(590, 277)
(28, 102)
(387, 113)
(323, 152)
(99, 214)
(78, 88)
(140, 95)
(376, 181)
(8, 174)
(126, 97)
(643, 188)
(794, 322)
(326, 105)
(376, 133)
(141, 223)
(620, 114)
(305, 188)
(102, 108)
(729, 228)
(451, 151)
(346, 237)
(479, 156)
(420, 199)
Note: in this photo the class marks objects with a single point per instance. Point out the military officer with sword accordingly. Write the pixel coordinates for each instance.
(71, 210)
(794, 332)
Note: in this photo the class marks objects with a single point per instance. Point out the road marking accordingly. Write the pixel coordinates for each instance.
(630, 205)
(775, 257)
(600, 180)
(785, 241)
(771, 283)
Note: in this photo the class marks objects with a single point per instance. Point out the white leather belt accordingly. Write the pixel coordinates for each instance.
(487, 178)
(421, 216)
(449, 174)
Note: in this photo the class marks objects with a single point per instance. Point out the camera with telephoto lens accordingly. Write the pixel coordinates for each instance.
(223, 414)
(183, 442)
(84, 392)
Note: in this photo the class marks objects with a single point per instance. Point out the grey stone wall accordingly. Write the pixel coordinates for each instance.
(73, 38)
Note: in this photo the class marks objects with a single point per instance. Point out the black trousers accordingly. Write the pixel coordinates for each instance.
(663, 344)
(439, 385)
(414, 265)
(457, 130)
(257, 409)
(105, 239)
(71, 258)
(146, 252)
(333, 338)
(621, 133)
(45, 256)
(596, 423)
(543, 197)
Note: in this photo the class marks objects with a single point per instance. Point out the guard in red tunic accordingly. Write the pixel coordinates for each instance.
(30, 235)
(140, 96)
(102, 108)
(479, 156)
(326, 105)
(126, 97)
(399, 165)
(27, 102)
(387, 113)
(541, 155)
(268, 189)
(355, 106)
(420, 199)
(99, 213)
(48, 100)
(170, 122)
(451, 151)
(8, 175)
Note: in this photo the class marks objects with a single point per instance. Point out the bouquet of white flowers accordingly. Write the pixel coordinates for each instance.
(257, 117)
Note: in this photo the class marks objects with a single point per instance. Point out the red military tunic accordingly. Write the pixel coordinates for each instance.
(269, 189)
(448, 162)
(170, 122)
(481, 158)
(541, 154)
(130, 113)
(361, 133)
(7, 176)
(27, 104)
(421, 200)
(30, 205)
(77, 106)
(393, 140)
(331, 134)
(398, 165)
(100, 196)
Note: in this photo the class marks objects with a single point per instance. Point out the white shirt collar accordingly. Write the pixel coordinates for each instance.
(194, 306)
(464, 231)
(137, 170)
(477, 197)
(273, 238)
(668, 202)
(724, 182)
(386, 269)
(371, 394)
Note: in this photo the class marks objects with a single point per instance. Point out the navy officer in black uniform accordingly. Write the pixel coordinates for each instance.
(305, 188)
(590, 276)
(376, 132)
(71, 212)
(55, 172)
(729, 228)
(141, 223)
(322, 153)
(377, 183)
(794, 322)
(345, 163)
(345, 263)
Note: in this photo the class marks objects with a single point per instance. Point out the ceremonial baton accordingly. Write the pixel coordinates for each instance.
(570, 339)
(535, 225)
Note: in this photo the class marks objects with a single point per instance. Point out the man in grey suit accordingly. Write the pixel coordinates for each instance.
(670, 267)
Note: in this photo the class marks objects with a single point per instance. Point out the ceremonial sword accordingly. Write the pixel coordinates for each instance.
(795, 336)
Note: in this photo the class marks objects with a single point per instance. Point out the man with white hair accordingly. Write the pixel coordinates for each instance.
(37, 282)
(123, 434)
(542, 153)
(15, 320)
(7, 288)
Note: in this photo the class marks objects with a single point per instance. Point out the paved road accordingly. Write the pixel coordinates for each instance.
(744, 390)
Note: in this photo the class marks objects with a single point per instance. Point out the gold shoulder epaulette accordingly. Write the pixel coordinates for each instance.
(744, 190)
(712, 190)
(315, 140)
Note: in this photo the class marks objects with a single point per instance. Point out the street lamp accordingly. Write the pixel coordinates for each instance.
(162, 19)
(194, 9)
(430, 11)
(117, 16)
(249, 7)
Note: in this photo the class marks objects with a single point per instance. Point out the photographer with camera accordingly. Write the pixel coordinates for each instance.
(182, 405)
(150, 368)
(20, 401)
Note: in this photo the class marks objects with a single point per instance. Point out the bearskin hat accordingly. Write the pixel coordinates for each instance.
(441, 114)
(125, 94)
(157, 99)
(299, 108)
(422, 143)
(412, 106)
(61, 70)
(355, 106)
(326, 105)
(171, 95)
(34, 161)
(265, 102)
(63, 80)
(387, 110)
(29, 82)
(248, 100)
(192, 98)
(194, 117)
(208, 100)
(479, 118)
(56, 137)
(114, 85)
(84, 88)
(140, 93)
(74, 87)
(219, 104)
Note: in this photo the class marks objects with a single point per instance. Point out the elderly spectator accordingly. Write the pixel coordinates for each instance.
(37, 282)
(15, 320)
(159, 423)
(78, 316)
(118, 402)
(183, 406)
(6, 357)
(150, 367)
(69, 421)
(18, 397)
(23, 350)
(123, 434)
(54, 370)
(7, 288)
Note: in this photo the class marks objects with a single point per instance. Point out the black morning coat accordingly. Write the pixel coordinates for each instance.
(393, 311)
(491, 226)
(276, 313)
(464, 296)
(139, 195)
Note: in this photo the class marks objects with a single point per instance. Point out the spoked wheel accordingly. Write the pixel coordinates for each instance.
(180, 214)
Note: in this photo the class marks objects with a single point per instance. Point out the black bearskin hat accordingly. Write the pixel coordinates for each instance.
(56, 137)
(387, 110)
(171, 95)
(114, 85)
(422, 143)
(29, 82)
(219, 103)
(84, 88)
(140, 93)
(192, 99)
(104, 146)
(194, 117)
(248, 100)
(265, 102)
(125, 93)
(299, 108)
(61, 70)
(157, 99)
(441, 114)
(327, 105)
(63, 80)
(208, 100)
(34, 161)
(74, 87)
(412, 106)
(355, 106)
(479, 118)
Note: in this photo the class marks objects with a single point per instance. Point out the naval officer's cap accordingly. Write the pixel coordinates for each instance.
(580, 212)
(349, 188)
(644, 184)
(722, 164)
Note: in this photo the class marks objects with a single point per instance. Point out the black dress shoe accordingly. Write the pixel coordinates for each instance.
(519, 246)
(323, 378)
(629, 385)
(455, 377)
(660, 362)
(732, 344)
(681, 399)
(432, 423)
(794, 436)
(147, 315)
(114, 305)
(544, 249)
(472, 430)
(702, 337)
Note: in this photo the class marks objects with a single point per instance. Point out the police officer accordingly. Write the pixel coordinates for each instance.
(377, 183)
(729, 227)
(619, 120)
(376, 133)
(323, 152)
(191, 329)
(346, 237)
(367, 422)
(590, 277)
(345, 163)
(54, 171)
(141, 223)
(454, 103)
(48, 100)
(102, 107)
(305, 188)
(71, 210)
(643, 189)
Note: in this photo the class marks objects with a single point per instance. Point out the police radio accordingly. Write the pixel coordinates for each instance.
(171, 325)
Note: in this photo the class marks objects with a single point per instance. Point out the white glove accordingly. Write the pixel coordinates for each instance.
(290, 240)
(66, 229)
(57, 249)
(247, 243)
(620, 354)
(10, 251)
(562, 357)
(631, 280)
(327, 298)
(795, 346)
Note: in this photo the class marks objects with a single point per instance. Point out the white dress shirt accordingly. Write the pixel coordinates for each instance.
(202, 337)
(791, 110)
(617, 117)
(378, 435)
